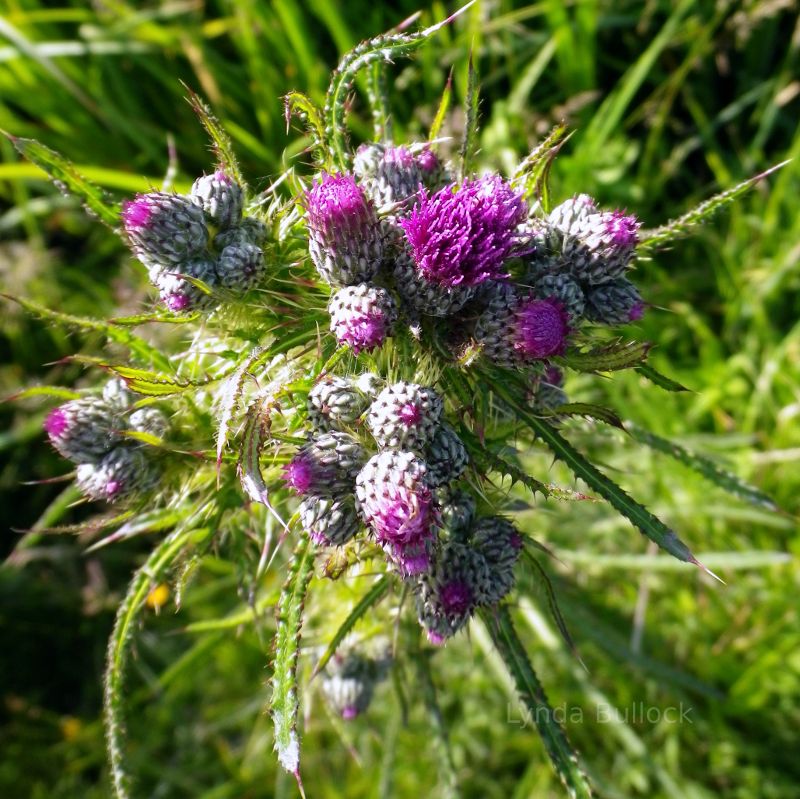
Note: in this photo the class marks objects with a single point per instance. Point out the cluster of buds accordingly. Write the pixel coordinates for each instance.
(89, 432)
(398, 241)
(197, 243)
(384, 458)
(580, 256)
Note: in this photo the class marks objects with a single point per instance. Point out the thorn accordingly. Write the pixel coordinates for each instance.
(299, 783)
(708, 571)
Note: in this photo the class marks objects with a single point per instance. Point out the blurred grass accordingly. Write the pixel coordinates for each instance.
(670, 102)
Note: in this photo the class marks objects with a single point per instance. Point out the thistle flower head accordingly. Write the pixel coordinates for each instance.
(299, 474)
(541, 329)
(81, 430)
(461, 237)
(220, 197)
(428, 161)
(325, 466)
(396, 502)
(164, 229)
(345, 241)
(362, 316)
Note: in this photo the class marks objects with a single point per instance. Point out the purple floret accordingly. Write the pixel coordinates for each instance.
(463, 237)
(623, 229)
(456, 598)
(299, 473)
(336, 207)
(136, 213)
(541, 328)
(363, 331)
(56, 423)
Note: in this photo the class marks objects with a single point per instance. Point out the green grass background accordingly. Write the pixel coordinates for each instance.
(670, 102)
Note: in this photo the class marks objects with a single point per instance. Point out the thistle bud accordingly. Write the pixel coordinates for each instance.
(348, 683)
(405, 416)
(149, 420)
(329, 521)
(395, 500)
(345, 241)
(614, 303)
(446, 457)
(164, 229)
(447, 597)
(82, 430)
(325, 466)
(240, 267)
(335, 402)
(121, 473)
(565, 290)
(457, 513)
(250, 231)
(500, 544)
(179, 293)
(117, 395)
(362, 316)
(220, 197)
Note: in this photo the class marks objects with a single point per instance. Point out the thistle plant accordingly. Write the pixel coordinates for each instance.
(348, 356)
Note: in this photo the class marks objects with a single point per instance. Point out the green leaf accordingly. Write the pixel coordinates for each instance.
(138, 346)
(220, 141)
(647, 523)
(469, 141)
(703, 465)
(151, 383)
(230, 395)
(531, 693)
(607, 358)
(552, 602)
(370, 598)
(96, 201)
(532, 175)
(441, 111)
(285, 703)
(658, 379)
(589, 411)
(666, 234)
(302, 106)
(55, 392)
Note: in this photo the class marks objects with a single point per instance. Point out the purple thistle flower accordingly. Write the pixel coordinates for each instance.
(397, 503)
(345, 241)
(637, 312)
(349, 712)
(623, 230)
(410, 414)
(336, 206)
(136, 213)
(463, 237)
(541, 328)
